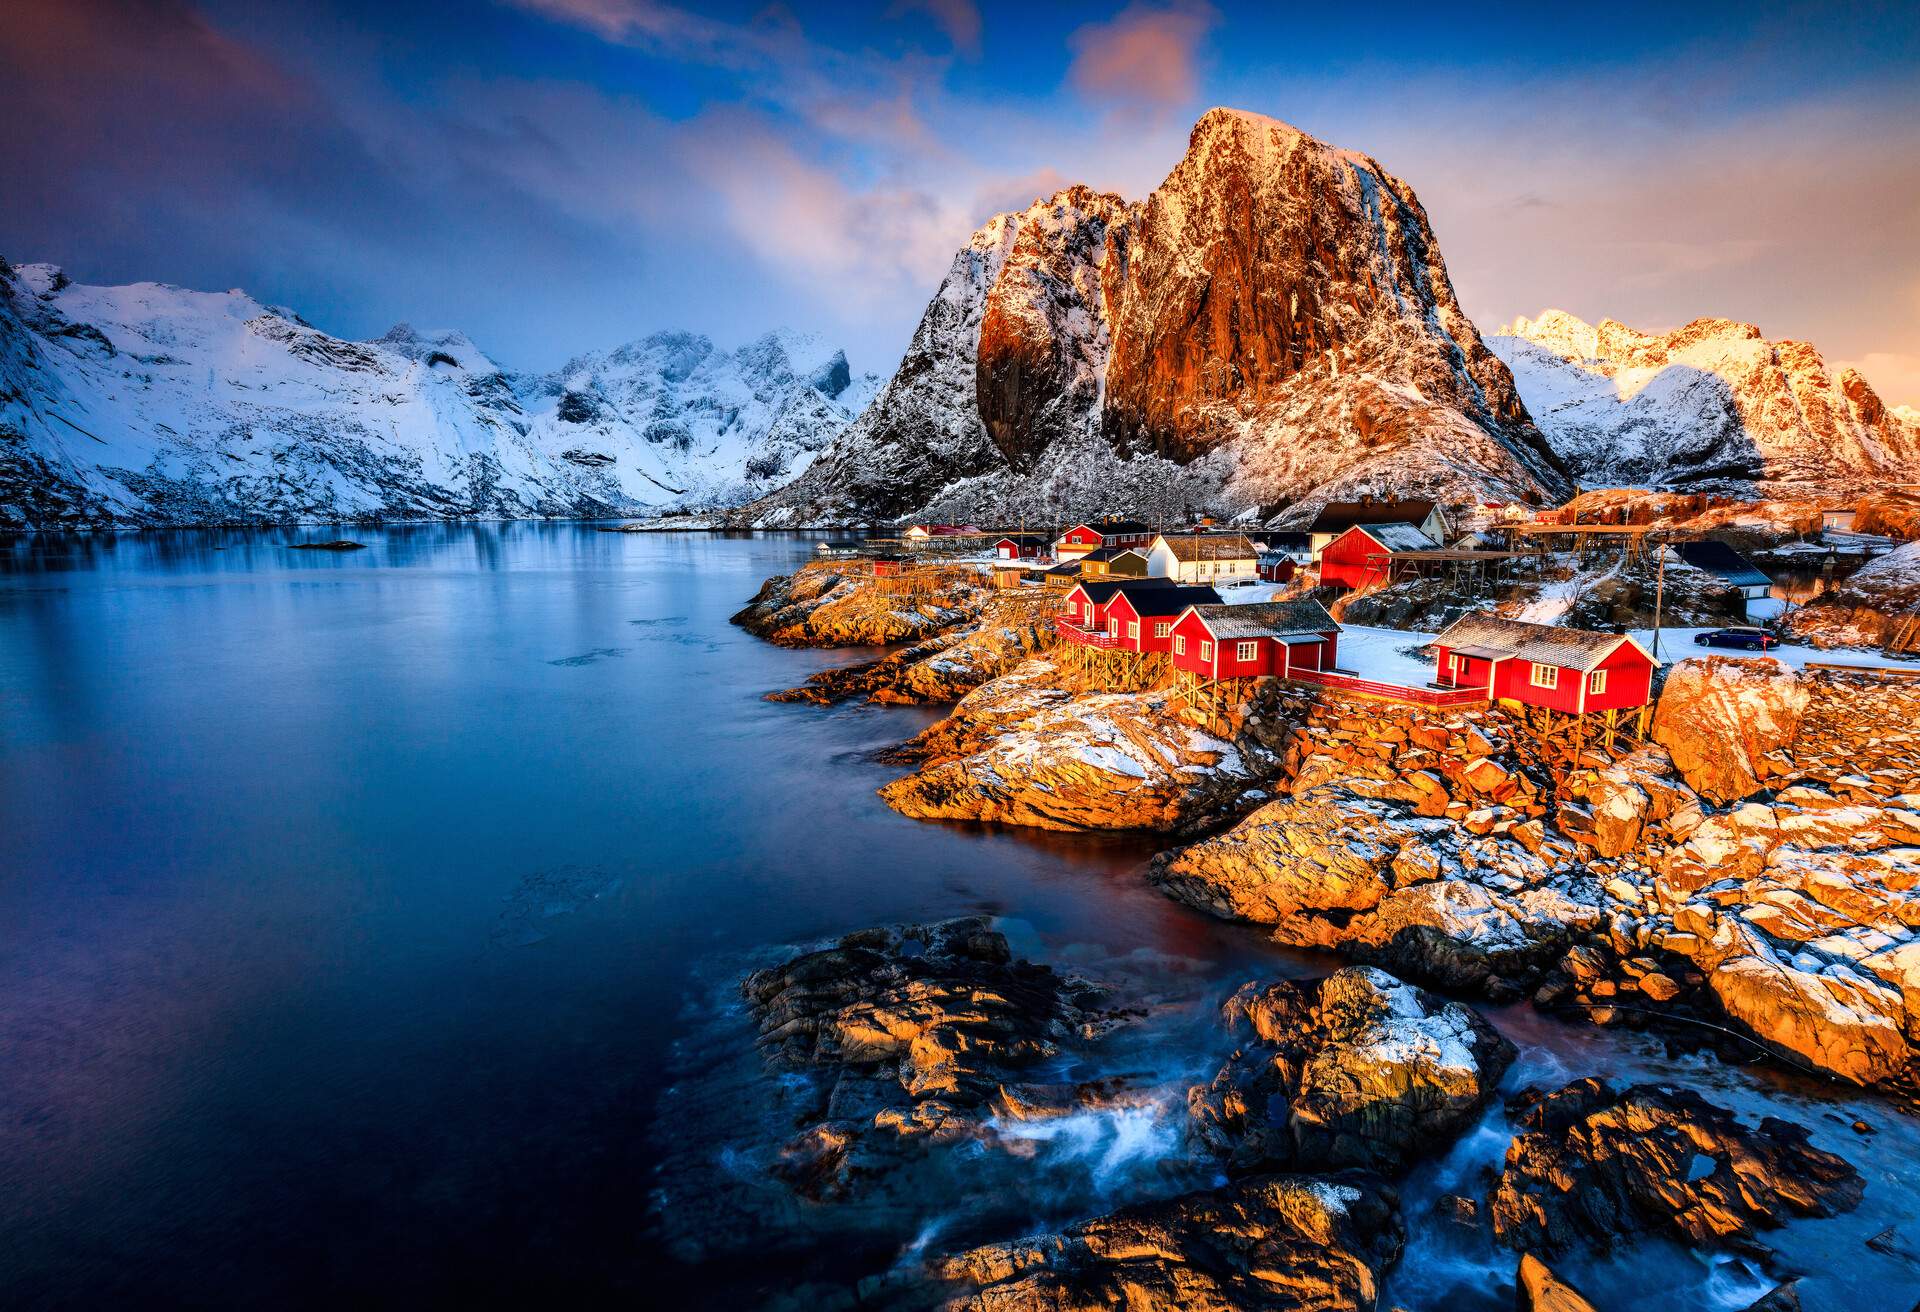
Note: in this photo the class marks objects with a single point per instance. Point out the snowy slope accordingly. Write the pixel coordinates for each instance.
(1712, 405)
(150, 404)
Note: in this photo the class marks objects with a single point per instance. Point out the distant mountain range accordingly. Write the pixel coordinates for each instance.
(1272, 328)
(1711, 406)
(148, 404)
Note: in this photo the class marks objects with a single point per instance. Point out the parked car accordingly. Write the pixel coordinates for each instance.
(1737, 636)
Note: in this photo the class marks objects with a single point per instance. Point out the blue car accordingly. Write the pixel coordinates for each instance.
(1745, 638)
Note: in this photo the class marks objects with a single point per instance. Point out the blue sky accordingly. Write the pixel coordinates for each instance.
(557, 175)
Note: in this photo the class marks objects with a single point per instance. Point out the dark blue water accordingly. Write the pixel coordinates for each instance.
(356, 910)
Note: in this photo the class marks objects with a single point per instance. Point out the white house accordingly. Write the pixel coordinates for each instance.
(1204, 558)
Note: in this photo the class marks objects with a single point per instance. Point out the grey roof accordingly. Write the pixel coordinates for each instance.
(1399, 536)
(1722, 560)
(1066, 568)
(1112, 553)
(1546, 644)
(1209, 546)
(1267, 619)
(1339, 516)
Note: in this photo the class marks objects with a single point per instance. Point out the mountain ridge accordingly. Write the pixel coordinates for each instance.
(147, 404)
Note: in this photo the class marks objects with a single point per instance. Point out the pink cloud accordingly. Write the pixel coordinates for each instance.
(1146, 56)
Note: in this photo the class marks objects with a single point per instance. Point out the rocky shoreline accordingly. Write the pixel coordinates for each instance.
(1743, 881)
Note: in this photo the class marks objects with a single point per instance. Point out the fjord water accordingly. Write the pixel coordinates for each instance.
(362, 916)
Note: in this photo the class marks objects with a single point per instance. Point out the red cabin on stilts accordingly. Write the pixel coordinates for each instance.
(1362, 557)
(1247, 642)
(1570, 670)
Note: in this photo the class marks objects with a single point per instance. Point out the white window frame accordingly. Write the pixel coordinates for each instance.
(1246, 651)
(1596, 683)
(1180, 645)
(1459, 664)
(1113, 626)
(1133, 630)
(1161, 628)
(1544, 676)
(1206, 650)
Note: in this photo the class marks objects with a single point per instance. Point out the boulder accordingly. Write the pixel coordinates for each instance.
(840, 604)
(1592, 1166)
(1270, 1244)
(1541, 1291)
(918, 1028)
(1719, 717)
(1355, 1070)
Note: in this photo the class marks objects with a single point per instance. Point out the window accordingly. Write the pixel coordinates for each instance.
(1597, 682)
(1247, 651)
(1133, 630)
(1206, 650)
(1160, 628)
(1180, 646)
(1113, 627)
(1459, 663)
(1544, 676)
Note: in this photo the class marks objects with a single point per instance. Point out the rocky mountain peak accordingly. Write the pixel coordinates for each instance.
(1712, 404)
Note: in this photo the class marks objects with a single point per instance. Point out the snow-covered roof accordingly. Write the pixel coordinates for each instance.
(1266, 619)
(1398, 537)
(1208, 546)
(1545, 644)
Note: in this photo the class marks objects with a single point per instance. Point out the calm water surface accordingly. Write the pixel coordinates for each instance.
(358, 911)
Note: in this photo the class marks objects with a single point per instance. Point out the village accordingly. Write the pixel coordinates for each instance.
(1206, 609)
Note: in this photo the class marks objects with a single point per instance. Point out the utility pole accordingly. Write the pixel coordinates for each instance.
(1659, 591)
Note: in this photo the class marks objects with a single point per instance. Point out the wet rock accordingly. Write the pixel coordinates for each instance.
(340, 544)
(1542, 1291)
(1592, 1166)
(1271, 1244)
(918, 1028)
(1720, 718)
(1784, 1298)
(1355, 1070)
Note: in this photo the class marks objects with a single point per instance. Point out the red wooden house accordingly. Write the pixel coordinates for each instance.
(1247, 642)
(1020, 546)
(1085, 607)
(1141, 618)
(1362, 556)
(1543, 665)
(891, 566)
(1082, 538)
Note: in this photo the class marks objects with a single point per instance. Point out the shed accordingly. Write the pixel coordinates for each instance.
(1572, 670)
(891, 566)
(1020, 546)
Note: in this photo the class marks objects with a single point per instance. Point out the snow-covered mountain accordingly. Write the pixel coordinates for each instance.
(1272, 328)
(1713, 405)
(149, 404)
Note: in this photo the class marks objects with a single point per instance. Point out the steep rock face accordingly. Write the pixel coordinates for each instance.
(1722, 718)
(149, 404)
(1711, 404)
(1281, 293)
(1043, 344)
(1274, 324)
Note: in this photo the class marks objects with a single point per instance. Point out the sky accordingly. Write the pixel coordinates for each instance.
(556, 176)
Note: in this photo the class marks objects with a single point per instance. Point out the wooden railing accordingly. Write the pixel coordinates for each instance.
(1393, 691)
(1085, 637)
